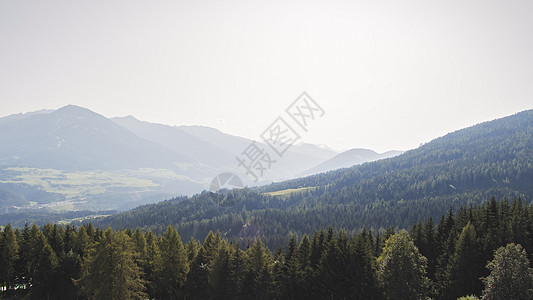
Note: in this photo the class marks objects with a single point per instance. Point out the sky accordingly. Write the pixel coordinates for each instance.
(388, 74)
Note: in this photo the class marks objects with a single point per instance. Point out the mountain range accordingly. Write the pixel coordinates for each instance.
(350, 158)
(466, 167)
(73, 159)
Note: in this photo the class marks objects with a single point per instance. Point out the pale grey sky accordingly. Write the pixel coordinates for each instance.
(389, 74)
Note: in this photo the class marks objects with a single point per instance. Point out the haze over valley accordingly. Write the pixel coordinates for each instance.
(74, 159)
(370, 150)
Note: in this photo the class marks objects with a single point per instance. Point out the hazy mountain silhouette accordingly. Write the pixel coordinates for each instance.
(350, 158)
(180, 141)
(75, 138)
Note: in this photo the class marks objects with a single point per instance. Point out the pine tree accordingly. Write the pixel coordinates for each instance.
(430, 250)
(152, 256)
(317, 246)
(139, 241)
(258, 275)
(171, 267)
(69, 269)
(193, 246)
(491, 228)
(518, 223)
(198, 277)
(221, 274)
(365, 284)
(237, 270)
(198, 285)
(465, 266)
(446, 238)
(27, 253)
(69, 238)
(334, 280)
(45, 263)
(83, 243)
(110, 271)
(91, 232)
(290, 270)
(8, 257)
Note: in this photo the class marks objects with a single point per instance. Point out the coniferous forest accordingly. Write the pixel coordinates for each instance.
(472, 165)
(479, 251)
(271, 150)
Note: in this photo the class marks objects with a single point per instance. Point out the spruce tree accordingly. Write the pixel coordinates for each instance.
(258, 275)
(110, 271)
(8, 257)
(45, 264)
(465, 267)
(150, 260)
(364, 282)
(171, 267)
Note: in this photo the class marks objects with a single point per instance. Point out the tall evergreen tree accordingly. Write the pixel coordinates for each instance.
(446, 238)
(465, 268)
(110, 271)
(364, 280)
(151, 258)
(171, 267)
(198, 283)
(237, 270)
(291, 274)
(45, 264)
(198, 286)
(258, 275)
(220, 277)
(8, 257)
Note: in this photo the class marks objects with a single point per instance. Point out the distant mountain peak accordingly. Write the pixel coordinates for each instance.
(350, 158)
(70, 108)
(20, 116)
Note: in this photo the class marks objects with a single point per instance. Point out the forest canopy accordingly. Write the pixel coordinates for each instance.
(461, 254)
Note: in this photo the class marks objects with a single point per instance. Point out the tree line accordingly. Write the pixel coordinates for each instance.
(483, 251)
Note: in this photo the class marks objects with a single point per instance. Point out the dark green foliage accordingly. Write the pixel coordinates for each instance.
(171, 266)
(510, 276)
(402, 269)
(110, 271)
(8, 257)
(332, 264)
(465, 265)
(258, 275)
(493, 159)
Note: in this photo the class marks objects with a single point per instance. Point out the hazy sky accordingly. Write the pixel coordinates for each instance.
(389, 74)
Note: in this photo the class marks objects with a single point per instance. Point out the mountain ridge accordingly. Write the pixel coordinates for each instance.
(465, 167)
(350, 158)
(72, 158)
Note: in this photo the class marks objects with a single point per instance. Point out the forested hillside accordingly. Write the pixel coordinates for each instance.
(71, 159)
(492, 159)
(441, 260)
